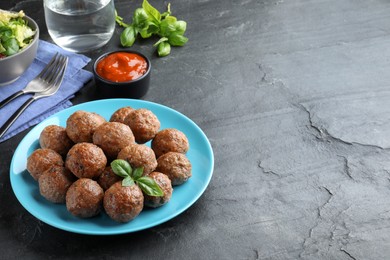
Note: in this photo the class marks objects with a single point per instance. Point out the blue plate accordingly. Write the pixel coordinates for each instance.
(200, 154)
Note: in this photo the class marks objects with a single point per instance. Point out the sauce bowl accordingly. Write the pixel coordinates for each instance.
(135, 88)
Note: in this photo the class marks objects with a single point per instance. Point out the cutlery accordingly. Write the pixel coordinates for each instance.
(40, 83)
(54, 80)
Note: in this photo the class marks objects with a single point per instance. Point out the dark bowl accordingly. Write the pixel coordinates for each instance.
(12, 67)
(129, 89)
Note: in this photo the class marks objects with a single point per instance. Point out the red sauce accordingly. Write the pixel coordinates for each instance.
(122, 66)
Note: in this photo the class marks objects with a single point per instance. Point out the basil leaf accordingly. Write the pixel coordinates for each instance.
(177, 39)
(140, 19)
(149, 186)
(153, 28)
(137, 173)
(180, 27)
(128, 36)
(151, 11)
(128, 181)
(149, 29)
(144, 34)
(163, 39)
(121, 168)
(168, 25)
(163, 49)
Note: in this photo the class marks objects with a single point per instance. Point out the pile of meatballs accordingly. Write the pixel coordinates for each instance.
(73, 164)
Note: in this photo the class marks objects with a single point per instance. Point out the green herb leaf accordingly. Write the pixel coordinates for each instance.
(11, 46)
(121, 168)
(119, 20)
(15, 33)
(148, 21)
(168, 12)
(150, 29)
(149, 186)
(163, 39)
(2, 49)
(177, 39)
(153, 28)
(137, 173)
(167, 26)
(128, 181)
(128, 36)
(140, 19)
(180, 27)
(163, 49)
(151, 11)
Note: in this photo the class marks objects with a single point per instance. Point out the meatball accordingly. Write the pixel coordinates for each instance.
(176, 166)
(144, 124)
(165, 184)
(112, 137)
(84, 198)
(41, 160)
(169, 140)
(81, 125)
(108, 178)
(123, 203)
(139, 155)
(54, 183)
(120, 114)
(54, 137)
(86, 160)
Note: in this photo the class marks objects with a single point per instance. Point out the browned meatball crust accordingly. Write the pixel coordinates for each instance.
(165, 184)
(54, 137)
(139, 155)
(144, 124)
(176, 166)
(41, 160)
(120, 114)
(54, 183)
(81, 125)
(123, 203)
(84, 198)
(108, 178)
(112, 137)
(169, 140)
(86, 160)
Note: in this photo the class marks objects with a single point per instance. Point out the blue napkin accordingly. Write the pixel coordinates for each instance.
(74, 79)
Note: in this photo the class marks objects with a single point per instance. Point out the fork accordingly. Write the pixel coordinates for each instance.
(53, 82)
(40, 83)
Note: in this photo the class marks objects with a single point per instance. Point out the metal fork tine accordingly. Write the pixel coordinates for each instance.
(60, 71)
(61, 75)
(53, 73)
(49, 65)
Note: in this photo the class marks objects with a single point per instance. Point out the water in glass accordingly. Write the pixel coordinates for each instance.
(80, 25)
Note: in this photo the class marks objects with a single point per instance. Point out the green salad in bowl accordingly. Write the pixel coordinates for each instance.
(15, 33)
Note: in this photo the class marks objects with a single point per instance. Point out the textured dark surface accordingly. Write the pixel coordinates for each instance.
(294, 97)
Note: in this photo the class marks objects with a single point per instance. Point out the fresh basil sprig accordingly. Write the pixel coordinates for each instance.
(148, 21)
(123, 169)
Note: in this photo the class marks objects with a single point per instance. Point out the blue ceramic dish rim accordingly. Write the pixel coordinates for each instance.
(35, 39)
(123, 82)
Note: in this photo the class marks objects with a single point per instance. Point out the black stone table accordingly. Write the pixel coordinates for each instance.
(294, 97)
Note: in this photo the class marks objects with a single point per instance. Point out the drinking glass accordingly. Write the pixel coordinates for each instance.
(80, 25)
